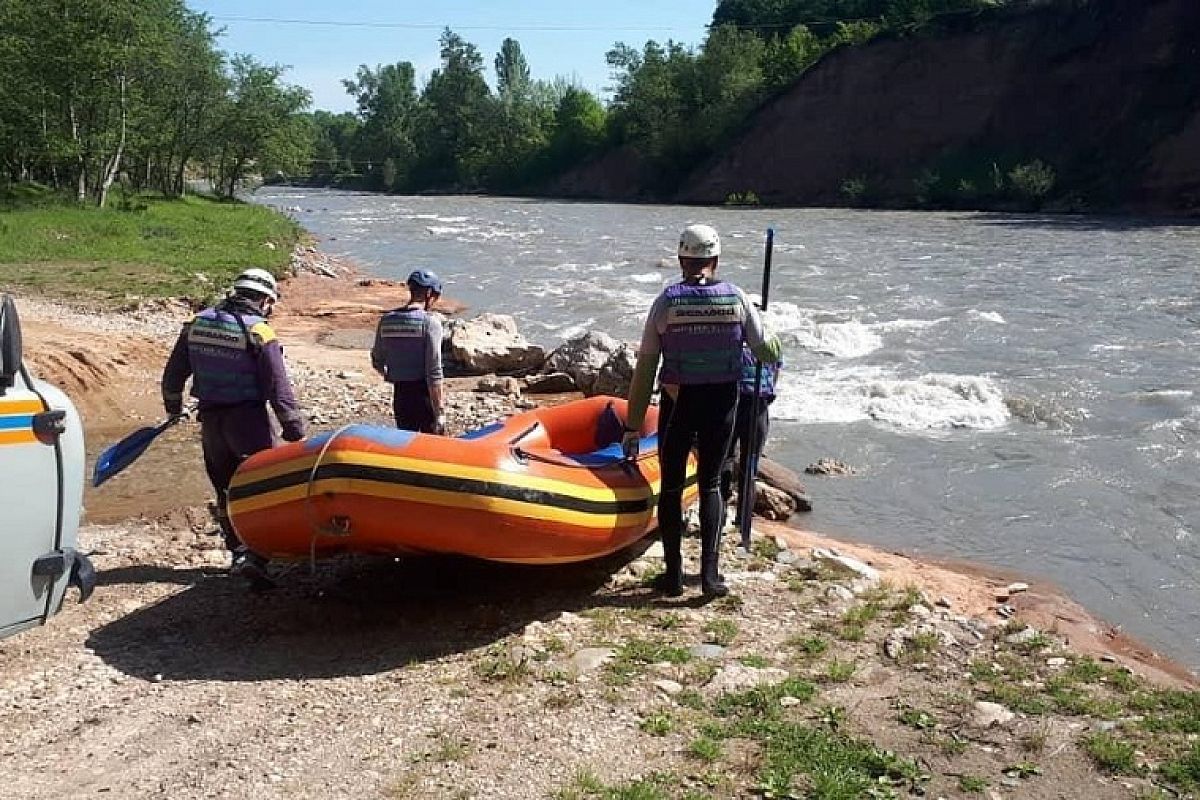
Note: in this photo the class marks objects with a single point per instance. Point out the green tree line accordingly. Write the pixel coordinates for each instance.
(673, 104)
(98, 91)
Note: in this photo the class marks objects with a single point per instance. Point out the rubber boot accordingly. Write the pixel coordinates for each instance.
(712, 584)
(670, 582)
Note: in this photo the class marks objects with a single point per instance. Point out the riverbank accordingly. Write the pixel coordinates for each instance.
(445, 678)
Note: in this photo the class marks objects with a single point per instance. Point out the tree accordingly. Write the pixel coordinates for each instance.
(258, 123)
(454, 114)
(513, 83)
(387, 106)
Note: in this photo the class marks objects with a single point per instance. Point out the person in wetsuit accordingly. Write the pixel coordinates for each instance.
(236, 367)
(697, 328)
(408, 354)
(736, 465)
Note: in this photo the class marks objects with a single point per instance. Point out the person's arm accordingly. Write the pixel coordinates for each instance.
(275, 384)
(378, 354)
(175, 374)
(433, 367)
(649, 352)
(766, 347)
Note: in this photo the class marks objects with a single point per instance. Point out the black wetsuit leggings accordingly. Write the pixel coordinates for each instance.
(412, 407)
(701, 417)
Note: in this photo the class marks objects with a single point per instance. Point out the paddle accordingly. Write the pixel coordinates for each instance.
(120, 455)
(745, 507)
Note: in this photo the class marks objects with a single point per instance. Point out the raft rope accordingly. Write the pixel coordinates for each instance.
(317, 528)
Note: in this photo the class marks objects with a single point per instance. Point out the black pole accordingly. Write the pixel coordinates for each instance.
(745, 507)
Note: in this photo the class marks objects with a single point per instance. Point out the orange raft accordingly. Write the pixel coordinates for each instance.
(543, 487)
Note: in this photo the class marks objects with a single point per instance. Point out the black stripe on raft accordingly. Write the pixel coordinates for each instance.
(425, 480)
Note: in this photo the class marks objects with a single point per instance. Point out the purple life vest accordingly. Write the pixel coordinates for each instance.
(770, 376)
(224, 359)
(705, 328)
(403, 332)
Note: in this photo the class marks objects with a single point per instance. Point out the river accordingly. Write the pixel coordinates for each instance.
(1019, 391)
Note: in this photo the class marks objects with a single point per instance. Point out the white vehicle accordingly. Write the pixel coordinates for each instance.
(41, 490)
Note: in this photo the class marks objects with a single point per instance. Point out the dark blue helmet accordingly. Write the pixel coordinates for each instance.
(426, 280)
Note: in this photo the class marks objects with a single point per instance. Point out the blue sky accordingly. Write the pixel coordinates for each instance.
(321, 55)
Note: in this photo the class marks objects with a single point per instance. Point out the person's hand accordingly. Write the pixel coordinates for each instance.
(631, 442)
(293, 431)
(173, 403)
(439, 426)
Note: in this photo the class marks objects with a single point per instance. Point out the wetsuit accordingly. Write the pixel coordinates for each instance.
(236, 366)
(697, 328)
(408, 353)
(745, 423)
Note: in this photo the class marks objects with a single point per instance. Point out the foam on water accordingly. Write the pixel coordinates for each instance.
(931, 402)
(988, 316)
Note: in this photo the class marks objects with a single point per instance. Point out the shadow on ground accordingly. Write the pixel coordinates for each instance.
(354, 617)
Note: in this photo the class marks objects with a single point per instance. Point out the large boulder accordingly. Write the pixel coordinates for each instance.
(617, 373)
(598, 363)
(488, 343)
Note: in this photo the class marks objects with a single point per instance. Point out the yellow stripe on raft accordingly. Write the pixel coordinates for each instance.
(447, 470)
(22, 436)
(439, 497)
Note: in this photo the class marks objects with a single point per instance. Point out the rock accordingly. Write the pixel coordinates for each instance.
(668, 687)
(835, 558)
(707, 652)
(839, 592)
(944, 602)
(788, 557)
(496, 384)
(894, 644)
(1023, 636)
(773, 503)
(985, 715)
(1056, 663)
(787, 701)
(1016, 588)
(590, 659)
(489, 343)
(550, 383)
(786, 480)
(734, 678)
(830, 466)
(920, 611)
(655, 550)
(596, 362)
(349, 375)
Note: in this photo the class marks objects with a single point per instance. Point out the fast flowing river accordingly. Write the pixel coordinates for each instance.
(1019, 391)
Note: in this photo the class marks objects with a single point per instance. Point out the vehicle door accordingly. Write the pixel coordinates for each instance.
(30, 489)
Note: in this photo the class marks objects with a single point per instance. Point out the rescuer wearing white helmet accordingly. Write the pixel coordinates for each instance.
(697, 327)
(236, 367)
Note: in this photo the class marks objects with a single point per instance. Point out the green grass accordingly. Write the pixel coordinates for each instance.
(1111, 754)
(635, 654)
(657, 724)
(722, 631)
(972, 784)
(147, 247)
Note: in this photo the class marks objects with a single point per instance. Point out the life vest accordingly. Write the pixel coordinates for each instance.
(403, 333)
(223, 346)
(702, 342)
(770, 376)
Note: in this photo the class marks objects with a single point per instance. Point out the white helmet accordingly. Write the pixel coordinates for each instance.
(699, 241)
(258, 280)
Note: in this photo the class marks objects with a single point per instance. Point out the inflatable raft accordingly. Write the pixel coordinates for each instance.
(543, 487)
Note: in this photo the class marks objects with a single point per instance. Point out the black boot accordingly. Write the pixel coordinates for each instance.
(711, 581)
(670, 582)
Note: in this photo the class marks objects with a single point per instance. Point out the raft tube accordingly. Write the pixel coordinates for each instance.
(546, 486)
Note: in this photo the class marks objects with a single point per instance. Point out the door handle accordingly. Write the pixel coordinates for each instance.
(49, 425)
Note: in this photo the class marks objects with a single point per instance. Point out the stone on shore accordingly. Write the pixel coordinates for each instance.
(772, 503)
(598, 363)
(488, 343)
(549, 383)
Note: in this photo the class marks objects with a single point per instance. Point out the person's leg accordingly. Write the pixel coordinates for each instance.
(735, 461)
(716, 414)
(246, 431)
(412, 407)
(673, 447)
(220, 462)
(762, 425)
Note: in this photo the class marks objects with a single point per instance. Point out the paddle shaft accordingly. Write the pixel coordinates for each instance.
(745, 506)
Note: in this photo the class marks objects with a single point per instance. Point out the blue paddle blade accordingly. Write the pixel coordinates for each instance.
(120, 455)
